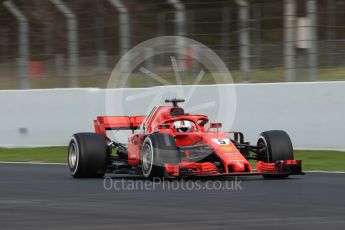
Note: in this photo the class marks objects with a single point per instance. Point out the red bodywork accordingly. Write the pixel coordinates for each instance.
(161, 120)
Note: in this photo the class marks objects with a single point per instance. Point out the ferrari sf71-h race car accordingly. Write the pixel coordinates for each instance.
(171, 143)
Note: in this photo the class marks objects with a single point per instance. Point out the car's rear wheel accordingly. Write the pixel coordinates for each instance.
(87, 155)
(275, 145)
(157, 150)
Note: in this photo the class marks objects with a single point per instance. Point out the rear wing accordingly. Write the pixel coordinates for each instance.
(104, 123)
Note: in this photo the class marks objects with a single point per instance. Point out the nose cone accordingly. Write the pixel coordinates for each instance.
(237, 166)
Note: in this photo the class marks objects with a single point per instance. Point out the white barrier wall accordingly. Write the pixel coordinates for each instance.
(312, 113)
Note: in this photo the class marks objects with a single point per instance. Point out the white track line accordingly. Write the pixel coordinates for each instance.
(42, 163)
(324, 171)
(30, 163)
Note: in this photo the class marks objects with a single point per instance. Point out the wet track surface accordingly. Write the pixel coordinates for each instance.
(46, 197)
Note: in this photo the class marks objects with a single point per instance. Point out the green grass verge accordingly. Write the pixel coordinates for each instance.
(312, 160)
(322, 160)
(92, 79)
(47, 155)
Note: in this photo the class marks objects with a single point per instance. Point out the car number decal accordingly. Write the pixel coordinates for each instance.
(221, 141)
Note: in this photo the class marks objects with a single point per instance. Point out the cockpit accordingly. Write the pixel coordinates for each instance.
(184, 126)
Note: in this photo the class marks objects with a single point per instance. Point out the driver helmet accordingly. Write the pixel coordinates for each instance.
(182, 126)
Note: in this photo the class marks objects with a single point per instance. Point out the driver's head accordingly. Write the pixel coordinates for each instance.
(182, 126)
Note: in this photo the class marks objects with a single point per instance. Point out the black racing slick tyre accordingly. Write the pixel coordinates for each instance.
(275, 145)
(87, 155)
(157, 150)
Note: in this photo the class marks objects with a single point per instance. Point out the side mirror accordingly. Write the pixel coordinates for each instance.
(164, 126)
(215, 125)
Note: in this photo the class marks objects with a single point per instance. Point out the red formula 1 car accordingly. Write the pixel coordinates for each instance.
(171, 143)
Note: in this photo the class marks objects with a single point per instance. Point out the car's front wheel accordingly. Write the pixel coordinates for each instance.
(275, 145)
(157, 150)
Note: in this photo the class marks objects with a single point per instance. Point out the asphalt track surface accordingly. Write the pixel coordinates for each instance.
(46, 197)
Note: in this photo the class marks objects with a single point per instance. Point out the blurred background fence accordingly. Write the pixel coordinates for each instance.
(77, 43)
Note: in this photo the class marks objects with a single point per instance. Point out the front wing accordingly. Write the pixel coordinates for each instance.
(283, 167)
